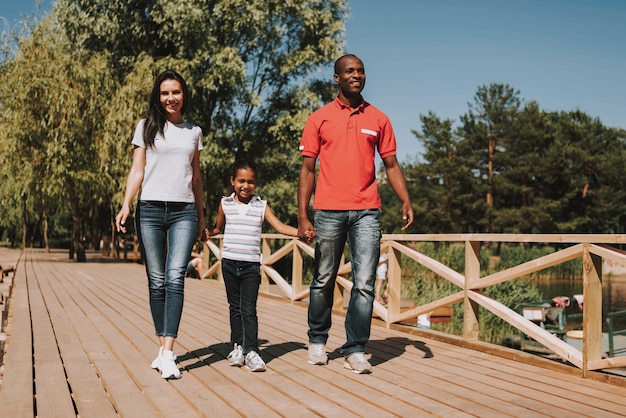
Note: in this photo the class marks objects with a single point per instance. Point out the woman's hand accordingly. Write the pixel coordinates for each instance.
(120, 219)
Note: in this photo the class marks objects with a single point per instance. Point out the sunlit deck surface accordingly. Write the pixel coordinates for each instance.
(80, 341)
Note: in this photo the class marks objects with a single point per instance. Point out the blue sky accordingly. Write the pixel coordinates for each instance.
(433, 55)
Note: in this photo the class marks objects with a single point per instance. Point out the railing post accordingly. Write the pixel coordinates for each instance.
(220, 277)
(472, 273)
(394, 282)
(296, 272)
(592, 307)
(266, 252)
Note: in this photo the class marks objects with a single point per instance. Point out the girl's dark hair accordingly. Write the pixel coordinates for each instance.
(155, 117)
(241, 164)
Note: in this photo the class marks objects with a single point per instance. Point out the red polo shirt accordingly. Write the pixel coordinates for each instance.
(345, 141)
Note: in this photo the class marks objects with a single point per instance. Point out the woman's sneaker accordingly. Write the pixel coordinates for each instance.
(169, 368)
(236, 356)
(156, 364)
(255, 362)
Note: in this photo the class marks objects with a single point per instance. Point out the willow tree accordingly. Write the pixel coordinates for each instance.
(54, 100)
(252, 66)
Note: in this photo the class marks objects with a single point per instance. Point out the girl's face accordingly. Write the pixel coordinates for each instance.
(171, 97)
(244, 184)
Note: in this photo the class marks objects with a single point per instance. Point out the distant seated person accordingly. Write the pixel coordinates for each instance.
(195, 267)
(579, 301)
(560, 301)
(555, 308)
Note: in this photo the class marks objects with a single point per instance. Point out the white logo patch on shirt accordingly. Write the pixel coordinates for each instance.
(369, 132)
(301, 147)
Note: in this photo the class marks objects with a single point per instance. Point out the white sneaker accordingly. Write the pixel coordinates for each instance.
(156, 364)
(357, 363)
(169, 368)
(255, 362)
(236, 356)
(317, 354)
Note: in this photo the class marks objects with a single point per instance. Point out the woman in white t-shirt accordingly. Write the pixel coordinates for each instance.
(170, 215)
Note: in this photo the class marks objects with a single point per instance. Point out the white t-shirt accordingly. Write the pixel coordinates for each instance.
(168, 172)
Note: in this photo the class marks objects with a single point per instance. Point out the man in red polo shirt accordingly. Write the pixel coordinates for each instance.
(345, 135)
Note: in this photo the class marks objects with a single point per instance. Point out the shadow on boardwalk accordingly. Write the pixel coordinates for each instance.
(81, 342)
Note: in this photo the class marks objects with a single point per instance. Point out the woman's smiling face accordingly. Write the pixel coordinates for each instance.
(171, 97)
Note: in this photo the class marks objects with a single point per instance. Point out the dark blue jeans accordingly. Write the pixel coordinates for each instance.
(361, 229)
(242, 280)
(167, 232)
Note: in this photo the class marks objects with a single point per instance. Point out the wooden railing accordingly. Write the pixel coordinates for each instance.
(592, 248)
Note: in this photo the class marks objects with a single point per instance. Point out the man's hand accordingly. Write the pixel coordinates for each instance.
(407, 214)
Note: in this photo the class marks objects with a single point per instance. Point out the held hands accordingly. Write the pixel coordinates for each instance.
(306, 231)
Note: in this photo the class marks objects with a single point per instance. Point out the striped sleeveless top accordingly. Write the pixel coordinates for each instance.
(242, 231)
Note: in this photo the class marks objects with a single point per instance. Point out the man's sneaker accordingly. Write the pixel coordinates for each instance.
(357, 363)
(255, 362)
(169, 368)
(236, 356)
(317, 354)
(156, 364)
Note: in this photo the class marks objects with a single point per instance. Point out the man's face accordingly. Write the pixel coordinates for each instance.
(350, 76)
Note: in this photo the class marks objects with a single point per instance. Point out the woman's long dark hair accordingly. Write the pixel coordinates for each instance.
(155, 117)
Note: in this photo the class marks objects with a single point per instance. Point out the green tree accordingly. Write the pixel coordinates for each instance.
(447, 191)
(251, 65)
(518, 170)
(487, 131)
(60, 94)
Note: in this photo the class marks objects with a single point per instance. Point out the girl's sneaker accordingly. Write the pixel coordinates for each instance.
(236, 356)
(169, 368)
(255, 362)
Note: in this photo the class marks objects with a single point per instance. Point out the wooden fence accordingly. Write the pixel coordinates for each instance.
(592, 248)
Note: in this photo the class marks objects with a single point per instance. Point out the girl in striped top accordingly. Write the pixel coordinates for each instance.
(240, 216)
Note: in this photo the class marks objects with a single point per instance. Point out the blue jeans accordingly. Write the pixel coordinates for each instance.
(361, 229)
(242, 280)
(167, 232)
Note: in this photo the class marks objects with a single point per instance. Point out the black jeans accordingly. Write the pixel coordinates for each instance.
(242, 280)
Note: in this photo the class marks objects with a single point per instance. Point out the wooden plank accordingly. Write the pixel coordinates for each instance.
(262, 392)
(383, 394)
(545, 238)
(136, 389)
(53, 396)
(570, 390)
(16, 394)
(592, 308)
(459, 375)
(88, 393)
(532, 266)
(212, 402)
(105, 305)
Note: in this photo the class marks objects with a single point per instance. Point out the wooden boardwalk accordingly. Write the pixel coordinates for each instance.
(80, 342)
